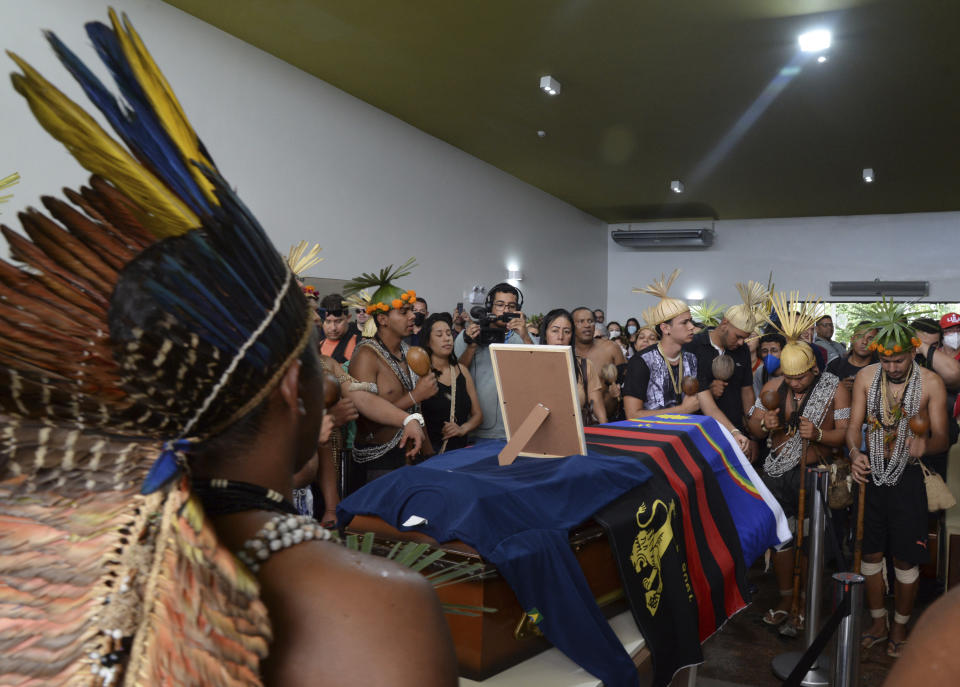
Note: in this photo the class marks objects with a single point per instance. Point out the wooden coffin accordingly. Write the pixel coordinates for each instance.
(493, 642)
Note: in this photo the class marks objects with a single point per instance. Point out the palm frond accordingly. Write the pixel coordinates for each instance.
(795, 316)
(300, 259)
(387, 275)
(660, 287)
(6, 183)
(708, 314)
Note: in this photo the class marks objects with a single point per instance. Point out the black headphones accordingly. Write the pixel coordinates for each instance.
(504, 287)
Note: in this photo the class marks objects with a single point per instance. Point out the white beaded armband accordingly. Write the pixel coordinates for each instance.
(281, 532)
(757, 405)
(841, 414)
(411, 417)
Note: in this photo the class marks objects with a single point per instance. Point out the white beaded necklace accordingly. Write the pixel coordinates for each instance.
(886, 471)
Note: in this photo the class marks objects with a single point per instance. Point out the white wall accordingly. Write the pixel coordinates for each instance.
(315, 163)
(805, 254)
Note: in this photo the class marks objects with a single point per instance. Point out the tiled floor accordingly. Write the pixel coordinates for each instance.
(739, 655)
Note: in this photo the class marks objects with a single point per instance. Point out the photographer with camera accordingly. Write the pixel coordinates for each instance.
(500, 320)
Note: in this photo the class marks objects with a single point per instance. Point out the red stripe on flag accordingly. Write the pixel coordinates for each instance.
(707, 620)
(733, 601)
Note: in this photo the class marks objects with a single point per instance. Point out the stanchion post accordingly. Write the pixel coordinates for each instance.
(784, 664)
(846, 651)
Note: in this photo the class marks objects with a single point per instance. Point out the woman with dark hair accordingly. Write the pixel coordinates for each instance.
(454, 411)
(557, 330)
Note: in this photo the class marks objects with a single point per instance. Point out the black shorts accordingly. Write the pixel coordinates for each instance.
(785, 489)
(359, 474)
(895, 518)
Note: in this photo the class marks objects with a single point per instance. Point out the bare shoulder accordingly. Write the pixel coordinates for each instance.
(931, 655)
(929, 377)
(344, 618)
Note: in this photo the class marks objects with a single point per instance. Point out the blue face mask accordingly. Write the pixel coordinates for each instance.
(631, 329)
(771, 363)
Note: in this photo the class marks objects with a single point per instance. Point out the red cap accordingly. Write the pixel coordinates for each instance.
(951, 319)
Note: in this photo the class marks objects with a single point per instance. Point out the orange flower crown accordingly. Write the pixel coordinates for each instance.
(405, 299)
(897, 348)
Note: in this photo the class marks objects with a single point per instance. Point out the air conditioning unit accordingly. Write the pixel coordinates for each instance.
(664, 239)
(861, 289)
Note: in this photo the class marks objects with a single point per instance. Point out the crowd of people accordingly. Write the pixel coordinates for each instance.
(179, 411)
(721, 365)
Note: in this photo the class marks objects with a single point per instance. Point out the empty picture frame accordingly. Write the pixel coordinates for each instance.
(532, 375)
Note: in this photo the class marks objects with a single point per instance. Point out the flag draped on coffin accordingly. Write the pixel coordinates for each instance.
(706, 513)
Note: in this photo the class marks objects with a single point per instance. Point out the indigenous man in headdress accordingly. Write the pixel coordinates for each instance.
(654, 378)
(161, 392)
(381, 362)
(734, 395)
(887, 396)
(809, 421)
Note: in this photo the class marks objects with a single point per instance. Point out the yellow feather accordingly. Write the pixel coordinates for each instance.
(163, 213)
(163, 100)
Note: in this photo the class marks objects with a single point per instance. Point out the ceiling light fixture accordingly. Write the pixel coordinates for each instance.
(541, 134)
(817, 40)
(676, 186)
(549, 85)
(822, 59)
(868, 175)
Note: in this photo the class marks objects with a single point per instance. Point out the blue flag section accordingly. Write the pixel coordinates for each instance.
(672, 478)
(519, 517)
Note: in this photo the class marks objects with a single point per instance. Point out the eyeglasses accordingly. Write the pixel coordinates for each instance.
(511, 306)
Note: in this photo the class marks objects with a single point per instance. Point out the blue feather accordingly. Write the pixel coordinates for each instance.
(165, 468)
(139, 128)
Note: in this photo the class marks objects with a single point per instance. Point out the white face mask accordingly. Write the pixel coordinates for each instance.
(952, 339)
(614, 333)
(631, 329)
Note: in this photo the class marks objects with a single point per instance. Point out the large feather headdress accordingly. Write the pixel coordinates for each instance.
(667, 308)
(793, 318)
(151, 307)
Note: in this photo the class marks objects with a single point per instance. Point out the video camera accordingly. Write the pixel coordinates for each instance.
(489, 333)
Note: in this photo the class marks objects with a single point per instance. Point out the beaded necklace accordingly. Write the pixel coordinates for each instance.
(223, 497)
(814, 406)
(890, 427)
(675, 380)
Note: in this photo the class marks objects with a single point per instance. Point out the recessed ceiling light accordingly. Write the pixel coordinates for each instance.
(694, 295)
(549, 85)
(817, 40)
(541, 134)
(822, 59)
(676, 186)
(868, 175)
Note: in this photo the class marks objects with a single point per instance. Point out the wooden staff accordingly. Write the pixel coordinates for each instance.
(801, 513)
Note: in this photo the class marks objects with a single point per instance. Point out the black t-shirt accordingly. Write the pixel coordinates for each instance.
(730, 402)
(843, 368)
(636, 379)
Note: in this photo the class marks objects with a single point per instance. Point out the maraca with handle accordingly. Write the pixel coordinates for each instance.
(418, 360)
(690, 386)
(331, 390)
(770, 399)
(723, 367)
(920, 425)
